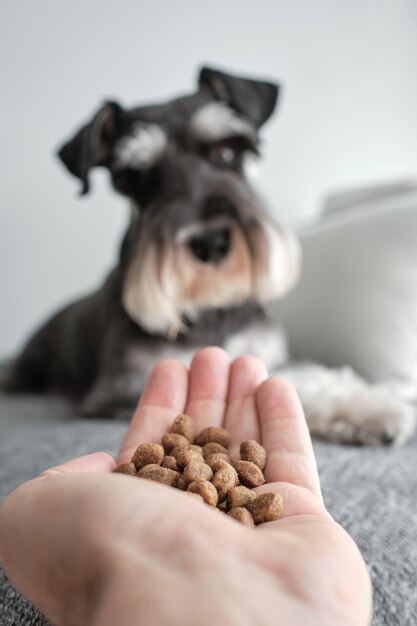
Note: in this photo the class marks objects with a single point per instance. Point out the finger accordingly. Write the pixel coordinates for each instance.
(285, 436)
(208, 383)
(246, 374)
(163, 398)
(98, 462)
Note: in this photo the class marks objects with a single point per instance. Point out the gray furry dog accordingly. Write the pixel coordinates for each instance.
(199, 264)
(200, 259)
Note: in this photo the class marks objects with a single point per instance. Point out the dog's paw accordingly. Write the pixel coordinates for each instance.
(369, 415)
(103, 405)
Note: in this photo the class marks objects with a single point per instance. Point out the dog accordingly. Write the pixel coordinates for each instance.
(200, 263)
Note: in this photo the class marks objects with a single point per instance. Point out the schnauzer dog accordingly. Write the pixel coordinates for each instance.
(199, 263)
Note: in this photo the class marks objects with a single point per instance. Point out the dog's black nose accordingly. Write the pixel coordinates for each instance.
(211, 246)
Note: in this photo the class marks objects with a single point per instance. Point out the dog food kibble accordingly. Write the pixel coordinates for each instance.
(220, 464)
(213, 460)
(148, 453)
(242, 515)
(184, 456)
(201, 466)
(184, 425)
(195, 448)
(213, 434)
(197, 470)
(126, 468)
(159, 474)
(239, 496)
(249, 474)
(206, 490)
(180, 482)
(224, 479)
(266, 508)
(169, 462)
(251, 450)
(173, 440)
(213, 448)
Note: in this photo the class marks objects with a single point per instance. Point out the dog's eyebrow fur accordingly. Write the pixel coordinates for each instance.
(216, 121)
(142, 148)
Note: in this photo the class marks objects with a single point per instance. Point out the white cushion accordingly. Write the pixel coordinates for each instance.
(356, 302)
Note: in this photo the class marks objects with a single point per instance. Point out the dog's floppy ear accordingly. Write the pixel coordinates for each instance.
(254, 98)
(91, 144)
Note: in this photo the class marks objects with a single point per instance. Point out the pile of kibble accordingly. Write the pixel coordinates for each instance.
(201, 466)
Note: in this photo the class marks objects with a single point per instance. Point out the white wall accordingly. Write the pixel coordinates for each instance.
(348, 115)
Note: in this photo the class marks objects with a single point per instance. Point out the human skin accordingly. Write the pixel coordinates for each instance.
(94, 548)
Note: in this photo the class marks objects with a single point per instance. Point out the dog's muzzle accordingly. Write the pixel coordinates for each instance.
(219, 261)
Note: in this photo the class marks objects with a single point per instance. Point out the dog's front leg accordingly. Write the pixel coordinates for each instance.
(113, 396)
(342, 407)
(126, 363)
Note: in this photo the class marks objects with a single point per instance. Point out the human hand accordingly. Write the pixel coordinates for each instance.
(91, 547)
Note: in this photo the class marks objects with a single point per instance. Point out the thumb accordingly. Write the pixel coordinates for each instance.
(10, 508)
(97, 462)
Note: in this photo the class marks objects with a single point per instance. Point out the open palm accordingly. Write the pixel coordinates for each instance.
(305, 545)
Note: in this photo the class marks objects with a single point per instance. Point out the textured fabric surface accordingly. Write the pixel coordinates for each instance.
(370, 491)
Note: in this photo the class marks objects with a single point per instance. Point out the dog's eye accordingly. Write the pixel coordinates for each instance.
(224, 154)
(229, 153)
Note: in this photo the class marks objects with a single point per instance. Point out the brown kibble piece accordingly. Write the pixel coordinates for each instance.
(213, 460)
(251, 450)
(220, 464)
(197, 449)
(196, 470)
(224, 479)
(206, 490)
(169, 462)
(184, 456)
(159, 474)
(173, 440)
(215, 434)
(180, 482)
(183, 425)
(148, 453)
(242, 515)
(239, 496)
(126, 468)
(249, 474)
(213, 448)
(266, 508)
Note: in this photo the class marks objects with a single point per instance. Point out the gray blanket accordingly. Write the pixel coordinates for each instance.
(370, 491)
